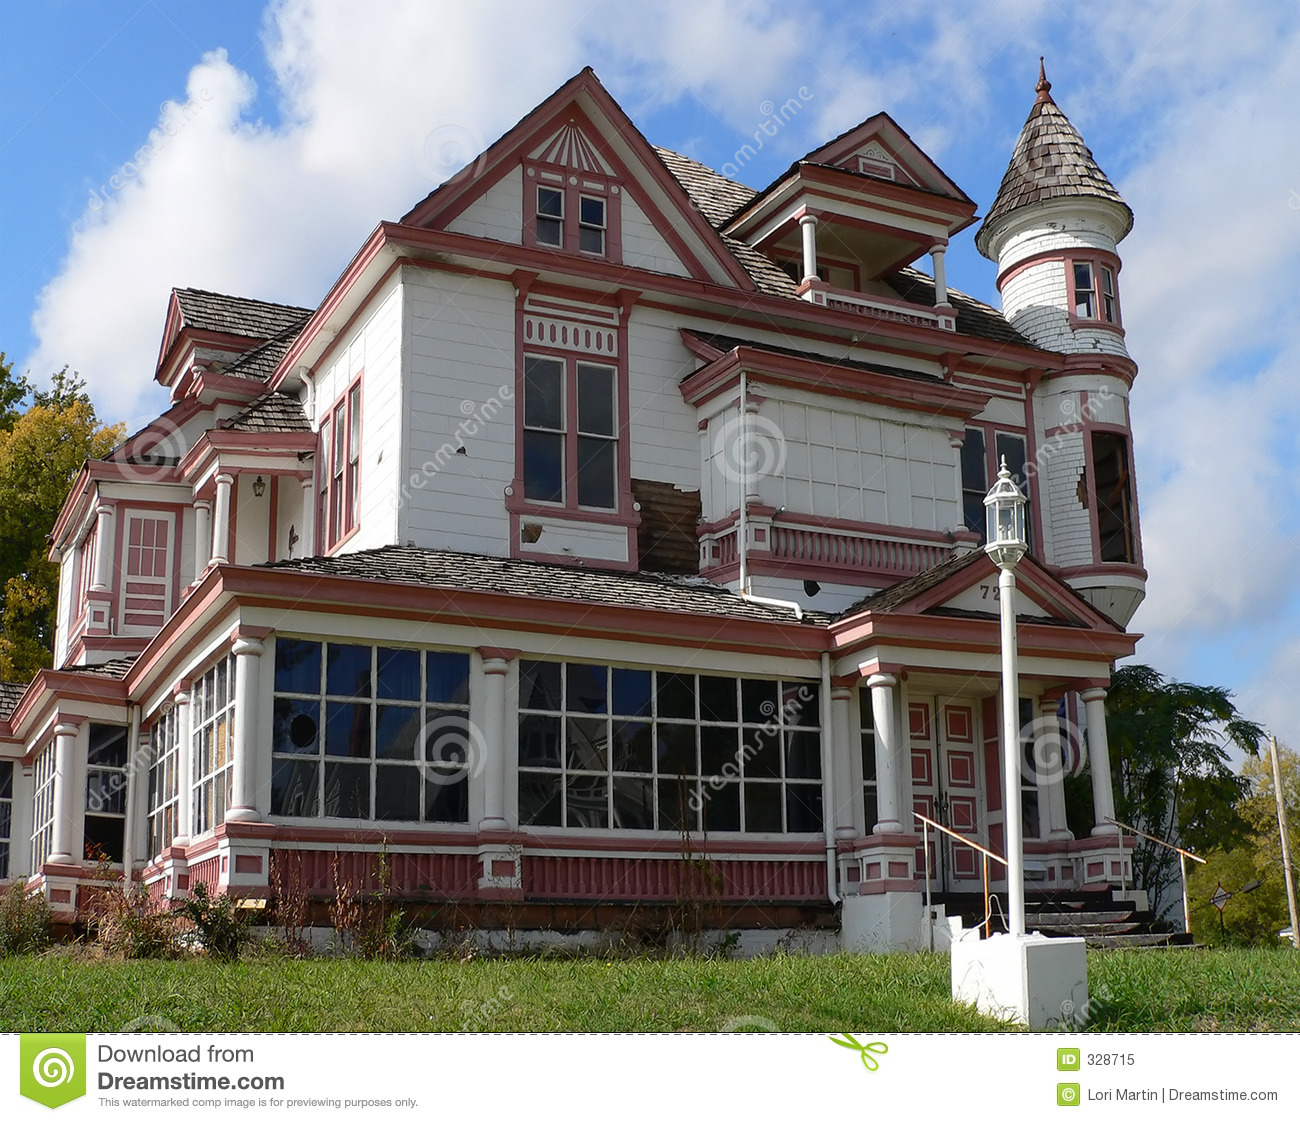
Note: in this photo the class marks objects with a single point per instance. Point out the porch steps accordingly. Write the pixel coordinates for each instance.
(1094, 916)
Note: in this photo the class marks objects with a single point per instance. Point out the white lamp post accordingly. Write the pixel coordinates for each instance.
(1036, 980)
(1004, 507)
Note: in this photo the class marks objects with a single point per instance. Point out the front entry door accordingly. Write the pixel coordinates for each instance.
(948, 786)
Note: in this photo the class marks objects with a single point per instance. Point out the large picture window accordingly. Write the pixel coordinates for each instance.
(613, 747)
(164, 781)
(373, 733)
(106, 752)
(6, 813)
(43, 808)
(570, 432)
(212, 711)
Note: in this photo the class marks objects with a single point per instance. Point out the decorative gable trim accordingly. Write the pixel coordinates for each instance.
(570, 148)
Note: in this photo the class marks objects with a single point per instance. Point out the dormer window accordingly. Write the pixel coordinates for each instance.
(1094, 292)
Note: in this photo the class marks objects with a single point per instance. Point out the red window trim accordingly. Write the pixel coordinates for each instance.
(574, 184)
(619, 513)
(337, 495)
(1098, 261)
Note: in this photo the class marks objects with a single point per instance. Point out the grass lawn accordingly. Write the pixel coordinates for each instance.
(1231, 990)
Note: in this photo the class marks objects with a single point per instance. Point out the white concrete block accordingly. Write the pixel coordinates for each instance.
(885, 921)
(1033, 980)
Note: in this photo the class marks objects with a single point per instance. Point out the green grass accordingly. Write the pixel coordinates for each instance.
(1132, 991)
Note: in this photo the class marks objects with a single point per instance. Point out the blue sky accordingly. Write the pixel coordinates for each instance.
(282, 133)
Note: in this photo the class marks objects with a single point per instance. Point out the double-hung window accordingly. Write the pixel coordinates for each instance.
(978, 468)
(1113, 483)
(570, 432)
(1095, 292)
(164, 781)
(340, 467)
(212, 712)
(574, 213)
(106, 758)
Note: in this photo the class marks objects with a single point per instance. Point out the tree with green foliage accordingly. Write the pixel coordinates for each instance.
(1171, 771)
(42, 448)
(1252, 869)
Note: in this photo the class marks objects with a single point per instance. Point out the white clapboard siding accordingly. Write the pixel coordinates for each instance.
(497, 213)
(644, 247)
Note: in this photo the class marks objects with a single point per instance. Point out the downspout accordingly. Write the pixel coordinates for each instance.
(828, 779)
(742, 523)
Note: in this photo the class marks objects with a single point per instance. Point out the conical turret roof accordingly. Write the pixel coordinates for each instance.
(1050, 161)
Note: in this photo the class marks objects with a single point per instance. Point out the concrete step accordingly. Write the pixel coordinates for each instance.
(1063, 920)
(1140, 940)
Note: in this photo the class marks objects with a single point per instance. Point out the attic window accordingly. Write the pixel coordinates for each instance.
(878, 168)
(576, 213)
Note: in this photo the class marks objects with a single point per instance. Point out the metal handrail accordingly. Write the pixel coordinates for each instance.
(1183, 855)
(1158, 841)
(986, 854)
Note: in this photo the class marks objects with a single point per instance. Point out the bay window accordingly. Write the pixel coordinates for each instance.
(164, 781)
(212, 711)
(43, 807)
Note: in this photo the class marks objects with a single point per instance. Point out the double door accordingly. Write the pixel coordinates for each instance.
(950, 785)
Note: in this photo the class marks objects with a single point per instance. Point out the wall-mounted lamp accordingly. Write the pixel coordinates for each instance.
(259, 487)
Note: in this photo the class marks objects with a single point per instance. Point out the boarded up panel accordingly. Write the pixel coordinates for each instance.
(666, 537)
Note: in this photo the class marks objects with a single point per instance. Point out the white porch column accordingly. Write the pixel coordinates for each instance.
(844, 742)
(1049, 756)
(105, 547)
(940, 276)
(65, 795)
(307, 543)
(1103, 795)
(221, 520)
(136, 766)
(184, 763)
(248, 669)
(202, 536)
(808, 229)
(495, 669)
(887, 754)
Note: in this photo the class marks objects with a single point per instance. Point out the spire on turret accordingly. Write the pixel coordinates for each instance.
(1050, 161)
(1044, 87)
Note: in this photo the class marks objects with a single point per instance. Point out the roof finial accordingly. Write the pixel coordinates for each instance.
(1044, 87)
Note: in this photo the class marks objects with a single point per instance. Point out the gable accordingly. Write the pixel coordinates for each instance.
(879, 148)
(580, 139)
(983, 598)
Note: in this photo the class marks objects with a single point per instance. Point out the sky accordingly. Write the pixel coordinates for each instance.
(249, 147)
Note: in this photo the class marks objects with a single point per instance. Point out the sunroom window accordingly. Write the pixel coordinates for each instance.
(105, 793)
(613, 747)
(6, 813)
(374, 733)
